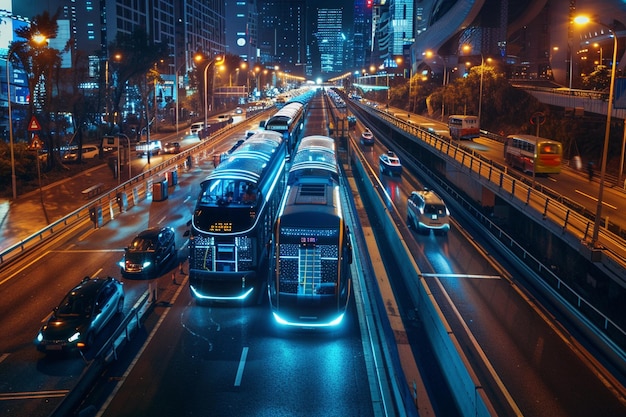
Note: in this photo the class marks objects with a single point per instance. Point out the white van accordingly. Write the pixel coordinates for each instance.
(89, 152)
(426, 211)
(196, 128)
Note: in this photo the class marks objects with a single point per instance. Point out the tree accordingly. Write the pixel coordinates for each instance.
(138, 56)
(39, 62)
(600, 79)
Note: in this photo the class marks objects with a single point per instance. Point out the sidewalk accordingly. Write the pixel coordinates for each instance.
(26, 215)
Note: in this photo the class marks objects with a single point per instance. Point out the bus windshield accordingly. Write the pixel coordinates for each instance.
(226, 191)
(549, 148)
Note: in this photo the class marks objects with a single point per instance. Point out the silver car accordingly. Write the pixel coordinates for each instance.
(426, 211)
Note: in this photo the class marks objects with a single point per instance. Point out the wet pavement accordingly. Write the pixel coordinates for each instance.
(33, 211)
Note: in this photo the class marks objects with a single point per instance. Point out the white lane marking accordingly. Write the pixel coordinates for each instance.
(462, 276)
(242, 364)
(121, 381)
(595, 199)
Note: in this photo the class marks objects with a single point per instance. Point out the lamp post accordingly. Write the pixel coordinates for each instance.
(581, 20)
(468, 48)
(219, 59)
(430, 54)
(480, 90)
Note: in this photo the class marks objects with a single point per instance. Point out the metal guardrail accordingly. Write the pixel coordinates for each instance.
(120, 337)
(542, 204)
(468, 391)
(612, 338)
(565, 214)
(137, 187)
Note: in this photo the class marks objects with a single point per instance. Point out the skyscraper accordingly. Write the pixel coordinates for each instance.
(362, 33)
(401, 14)
(241, 29)
(330, 40)
(282, 34)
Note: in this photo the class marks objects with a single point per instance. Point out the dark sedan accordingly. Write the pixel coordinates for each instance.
(82, 314)
(149, 251)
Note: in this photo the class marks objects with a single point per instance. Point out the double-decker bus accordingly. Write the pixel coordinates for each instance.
(289, 122)
(310, 283)
(463, 127)
(533, 154)
(232, 221)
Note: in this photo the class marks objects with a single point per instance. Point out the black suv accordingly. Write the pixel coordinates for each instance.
(82, 314)
(149, 251)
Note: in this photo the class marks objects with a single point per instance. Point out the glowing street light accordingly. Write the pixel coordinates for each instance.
(219, 59)
(582, 20)
(468, 48)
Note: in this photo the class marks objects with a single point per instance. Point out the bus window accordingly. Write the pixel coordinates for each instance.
(533, 154)
(463, 127)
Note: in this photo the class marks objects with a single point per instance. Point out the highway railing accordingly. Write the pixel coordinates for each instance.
(109, 351)
(560, 214)
(110, 204)
(557, 214)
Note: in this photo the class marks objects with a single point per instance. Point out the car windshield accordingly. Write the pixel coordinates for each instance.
(140, 244)
(438, 209)
(73, 305)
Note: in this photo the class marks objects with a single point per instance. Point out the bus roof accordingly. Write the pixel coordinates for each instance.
(462, 116)
(532, 138)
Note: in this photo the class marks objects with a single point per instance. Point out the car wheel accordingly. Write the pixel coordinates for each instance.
(409, 222)
(120, 305)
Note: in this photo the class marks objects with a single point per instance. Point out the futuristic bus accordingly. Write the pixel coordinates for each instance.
(232, 221)
(289, 122)
(310, 283)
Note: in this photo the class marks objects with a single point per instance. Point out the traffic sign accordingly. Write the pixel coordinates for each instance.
(34, 124)
(35, 143)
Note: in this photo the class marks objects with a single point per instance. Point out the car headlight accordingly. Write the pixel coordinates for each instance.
(74, 337)
(146, 264)
(39, 337)
(122, 263)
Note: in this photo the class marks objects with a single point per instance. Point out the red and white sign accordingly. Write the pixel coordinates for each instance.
(34, 124)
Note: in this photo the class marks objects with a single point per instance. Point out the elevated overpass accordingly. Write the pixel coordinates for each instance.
(590, 101)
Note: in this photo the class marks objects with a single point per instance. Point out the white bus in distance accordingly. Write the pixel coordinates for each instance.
(463, 127)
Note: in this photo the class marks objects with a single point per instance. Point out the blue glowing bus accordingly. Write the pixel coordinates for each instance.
(310, 282)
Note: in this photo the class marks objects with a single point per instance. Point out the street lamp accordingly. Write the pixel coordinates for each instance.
(39, 39)
(431, 54)
(581, 20)
(218, 60)
(468, 48)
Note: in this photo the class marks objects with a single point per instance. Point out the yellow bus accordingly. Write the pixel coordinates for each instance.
(533, 154)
